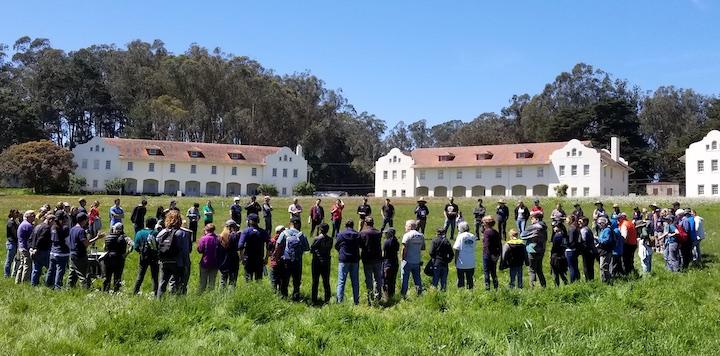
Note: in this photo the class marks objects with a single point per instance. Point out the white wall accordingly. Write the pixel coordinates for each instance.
(278, 162)
(578, 155)
(87, 153)
(483, 179)
(702, 151)
(395, 161)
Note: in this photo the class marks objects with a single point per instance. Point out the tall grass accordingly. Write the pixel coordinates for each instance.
(662, 314)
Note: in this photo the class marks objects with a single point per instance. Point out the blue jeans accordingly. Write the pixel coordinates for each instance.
(440, 275)
(572, 261)
(408, 269)
(343, 270)
(373, 279)
(516, 275)
(450, 224)
(490, 270)
(697, 254)
(646, 253)
(56, 271)
(520, 223)
(672, 257)
(40, 260)
(11, 252)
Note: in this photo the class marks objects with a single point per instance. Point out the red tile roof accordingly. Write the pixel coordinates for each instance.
(175, 151)
(502, 155)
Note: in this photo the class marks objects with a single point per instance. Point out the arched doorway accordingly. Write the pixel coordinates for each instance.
(440, 191)
(498, 190)
(233, 189)
(458, 191)
(519, 190)
(171, 187)
(212, 188)
(421, 191)
(192, 188)
(540, 190)
(252, 188)
(150, 186)
(130, 186)
(478, 191)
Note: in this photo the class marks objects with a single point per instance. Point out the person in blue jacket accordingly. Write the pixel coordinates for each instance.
(605, 247)
(616, 269)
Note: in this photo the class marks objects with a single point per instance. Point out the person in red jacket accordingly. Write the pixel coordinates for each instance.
(629, 234)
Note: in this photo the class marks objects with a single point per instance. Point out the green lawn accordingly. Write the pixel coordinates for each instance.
(663, 314)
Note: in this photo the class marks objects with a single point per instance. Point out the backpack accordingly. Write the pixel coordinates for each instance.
(167, 247)
(148, 248)
(682, 235)
(293, 246)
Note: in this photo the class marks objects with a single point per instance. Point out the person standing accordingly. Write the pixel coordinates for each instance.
(78, 243)
(253, 206)
(236, 211)
(116, 244)
(320, 249)
(267, 214)
(94, 221)
(59, 254)
(172, 251)
(558, 261)
(117, 213)
(317, 215)
(421, 214)
(492, 249)
(502, 213)
(145, 244)
(138, 216)
(441, 254)
(465, 256)
(12, 243)
(522, 213)
(371, 255)
(700, 232)
(535, 237)
(227, 254)
(629, 234)
(391, 247)
(336, 216)
(388, 214)
(598, 213)
(363, 211)
(40, 244)
(24, 234)
(413, 244)
(252, 247)
(209, 212)
(671, 251)
(578, 212)
(587, 248)
(616, 266)
(605, 245)
(295, 210)
(514, 256)
(645, 244)
(572, 249)
(348, 246)
(536, 206)
(687, 222)
(450, 213)
(276, 251)
(295, 246)
(207, 248)
(479, 213)
(193, 216)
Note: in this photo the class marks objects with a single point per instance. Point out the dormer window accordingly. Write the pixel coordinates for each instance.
(152, 151)
(236, 156)
(484, 156)
(447, 157)
(196, 154)
(524, 154)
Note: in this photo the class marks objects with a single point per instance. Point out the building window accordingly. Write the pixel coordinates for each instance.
(701, 189)
(713, 145)
(586, 170)
(562, 171)
(97, 148)
(95, 183)
(196, 154)
(669, 191)
(655, 191)
(284, 191)
(540, 172)
(274, 172)
(253, 171)
(213, 170)
(483, 156)
(714, 189)
(498, 172)
(403, 174)
(151, 167)
(394, 175)
(441, 174)
(394, 193)
(458, 174)
(385, 174)
(518, 172)
(421, 174)
(290, 158)
(233, 171)
(714, 165)
(402, 193)
(574, 152)
(295, 173)
(586, 191)
(236, 156)
(573, 170)
(193, 169)
(445, 158)
(284, 172)
(394, 159)
(96, 164)
(611, 173)
(525, 154)
(154, 152)
(384, 193)
(83, 165)
(604, 171)
(573, 191)
(478, 173)
(285, 158)
(172, 167)
(701, 166)
(130, 166)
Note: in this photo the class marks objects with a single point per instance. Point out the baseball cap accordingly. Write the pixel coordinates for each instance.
(231, 223)
(253, 217)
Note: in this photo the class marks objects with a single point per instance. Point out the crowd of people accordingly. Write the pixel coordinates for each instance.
(55, 239)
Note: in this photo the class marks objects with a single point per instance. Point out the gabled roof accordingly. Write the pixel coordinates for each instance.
(502, 155)
(175, 151)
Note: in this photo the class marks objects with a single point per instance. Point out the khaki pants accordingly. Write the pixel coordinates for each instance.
(23, 272)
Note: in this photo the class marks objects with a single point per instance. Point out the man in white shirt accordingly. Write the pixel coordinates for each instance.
(413, 244)
(465, 256)
(295, 211)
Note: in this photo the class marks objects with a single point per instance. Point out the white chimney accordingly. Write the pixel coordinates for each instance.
(615, 148)
(298, 150)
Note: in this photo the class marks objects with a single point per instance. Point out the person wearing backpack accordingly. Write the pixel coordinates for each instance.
(252, 247)
(295, 245)
(371, 256)
(514, 257)
(227, 254)
(172, 244)
(145, 244)
(441, 254)
(138, 215)
(605, 246)
(348, 246)
(391, 265)
(687, 222)
(671, 252)
(207, 247)
(116, 246)
(320, 249)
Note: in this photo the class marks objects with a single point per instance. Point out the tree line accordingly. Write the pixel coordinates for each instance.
(142, 90)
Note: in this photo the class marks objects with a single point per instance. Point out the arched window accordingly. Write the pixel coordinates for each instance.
(574, 152)
(713, 145)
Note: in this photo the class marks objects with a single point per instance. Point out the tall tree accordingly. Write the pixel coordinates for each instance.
(420, 134)
(399, 137)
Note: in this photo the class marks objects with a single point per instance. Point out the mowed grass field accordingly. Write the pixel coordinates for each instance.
(662, 314)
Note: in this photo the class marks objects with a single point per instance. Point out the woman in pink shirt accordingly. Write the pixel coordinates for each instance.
(336, 216)
(207, 247)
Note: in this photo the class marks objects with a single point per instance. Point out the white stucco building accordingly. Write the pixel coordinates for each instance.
(524, 169)
(192, 168)
(701, 166)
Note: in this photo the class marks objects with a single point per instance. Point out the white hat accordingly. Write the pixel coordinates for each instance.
(237, 199)
(279, 228)
(679, 212)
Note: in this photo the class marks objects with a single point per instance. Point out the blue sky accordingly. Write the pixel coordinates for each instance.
(411, 60)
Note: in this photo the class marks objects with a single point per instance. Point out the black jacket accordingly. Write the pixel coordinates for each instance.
(525, 215)
(441, 252)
